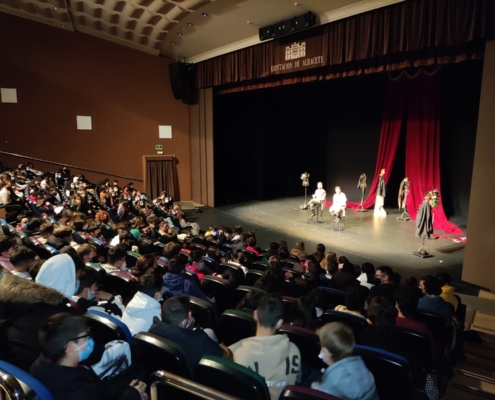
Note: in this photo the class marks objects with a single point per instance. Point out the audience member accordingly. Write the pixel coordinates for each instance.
(177, 325)
(367, 277)
(447, 290)
(386, 287)
(272, 356)
(432, 301)
(7, 246)
(353, 303)
(65, 342)
(21, 259)
(144, 306)
(116, 259)
(86, 252)
(346, 376)
(175, 281)
(146, 264)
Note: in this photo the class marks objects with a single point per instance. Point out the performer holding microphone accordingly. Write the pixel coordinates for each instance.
(339, 203)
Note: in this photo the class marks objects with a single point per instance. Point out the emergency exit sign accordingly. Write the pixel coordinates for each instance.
(158, 147)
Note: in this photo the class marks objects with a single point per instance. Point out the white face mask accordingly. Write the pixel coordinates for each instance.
(321, 356)
(123, 266)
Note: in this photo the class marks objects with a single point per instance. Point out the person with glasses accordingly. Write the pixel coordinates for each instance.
(66, 342)
(386, 288)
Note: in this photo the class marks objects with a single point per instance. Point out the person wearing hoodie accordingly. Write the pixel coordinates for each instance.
(272, 356)
(447, 290)
(176, 281)
(144, 306)
(59, 273)
(346, 376)
(177, 325)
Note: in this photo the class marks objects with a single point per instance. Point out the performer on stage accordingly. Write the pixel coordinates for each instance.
(380, 196)
(319, 196)
(339, 203)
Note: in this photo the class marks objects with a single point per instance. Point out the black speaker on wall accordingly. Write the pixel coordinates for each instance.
(183, 82)
(288, 26)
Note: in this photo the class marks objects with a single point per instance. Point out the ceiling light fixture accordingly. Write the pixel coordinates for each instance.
(204, 14)
(55, 7)
(174, 42)
(190, 24)
(179, 33)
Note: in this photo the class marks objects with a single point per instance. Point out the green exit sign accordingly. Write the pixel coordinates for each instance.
(159, 147)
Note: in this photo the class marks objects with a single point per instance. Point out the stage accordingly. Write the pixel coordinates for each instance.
(382, 241)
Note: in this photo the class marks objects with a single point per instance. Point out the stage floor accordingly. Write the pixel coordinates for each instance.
(382, 241)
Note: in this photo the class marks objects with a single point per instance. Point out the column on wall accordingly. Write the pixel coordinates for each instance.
(201, 125)
(480, 249)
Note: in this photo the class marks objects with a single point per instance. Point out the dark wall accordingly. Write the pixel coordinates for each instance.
(60, 74)
(264, 139)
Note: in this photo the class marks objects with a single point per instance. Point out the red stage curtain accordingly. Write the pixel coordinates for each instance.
(416, 100)
(423, 147)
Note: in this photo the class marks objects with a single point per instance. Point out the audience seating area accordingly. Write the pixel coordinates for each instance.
(312, 286)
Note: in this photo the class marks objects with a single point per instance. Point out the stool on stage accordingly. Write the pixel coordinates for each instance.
(339, 222)
(318, 211)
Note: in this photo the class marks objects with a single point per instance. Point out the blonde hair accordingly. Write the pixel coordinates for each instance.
(338, 339)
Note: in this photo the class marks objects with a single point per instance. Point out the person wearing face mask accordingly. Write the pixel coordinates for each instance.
(144, 306)
(7, 245)
(88, 297)
(65, 342)
(116, 259)
(346, 376)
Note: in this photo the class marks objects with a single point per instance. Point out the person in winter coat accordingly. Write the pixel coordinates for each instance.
(272, 356)
(346, 376)
(24, 306)
(144, 306)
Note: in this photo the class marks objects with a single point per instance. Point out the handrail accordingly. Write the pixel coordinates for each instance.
(71, 166)
(10, 386)
(186, 385)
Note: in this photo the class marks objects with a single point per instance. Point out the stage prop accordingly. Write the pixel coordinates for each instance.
(361, 185)
(305, 183)
(424, 221)
(402, 199)
(415, 100)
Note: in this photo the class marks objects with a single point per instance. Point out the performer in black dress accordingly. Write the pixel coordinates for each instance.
(380, 196)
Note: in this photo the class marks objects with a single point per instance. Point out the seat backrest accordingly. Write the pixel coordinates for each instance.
(235, 325)
(436, 323)
(118, 282)
(158, 248)
(231, 378)
(220, 290)
(259, 266)
(391, 372)
(355, 322)
(243, 290)
(153, 353)
(293, 392)
(211, 264)
(131, 258)
(95, 266)
(252, 276)
(333, 297)
(32, 388)
(234, 272)
(250, 255)
(417, 345)
(295, 288)
(307, 342)
(106, 328)
(200, 239)
(46, 251)
(203, 313)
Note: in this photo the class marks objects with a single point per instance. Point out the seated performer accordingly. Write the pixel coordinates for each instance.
(339, 203)
(319, 196)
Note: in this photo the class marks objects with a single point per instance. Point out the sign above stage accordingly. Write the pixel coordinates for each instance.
(291, 56)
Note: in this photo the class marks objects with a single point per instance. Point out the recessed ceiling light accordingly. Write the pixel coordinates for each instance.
(190, 24)
(55, 7)
(63, 26)
(204, 14)
(179, 33)
(174, 42)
